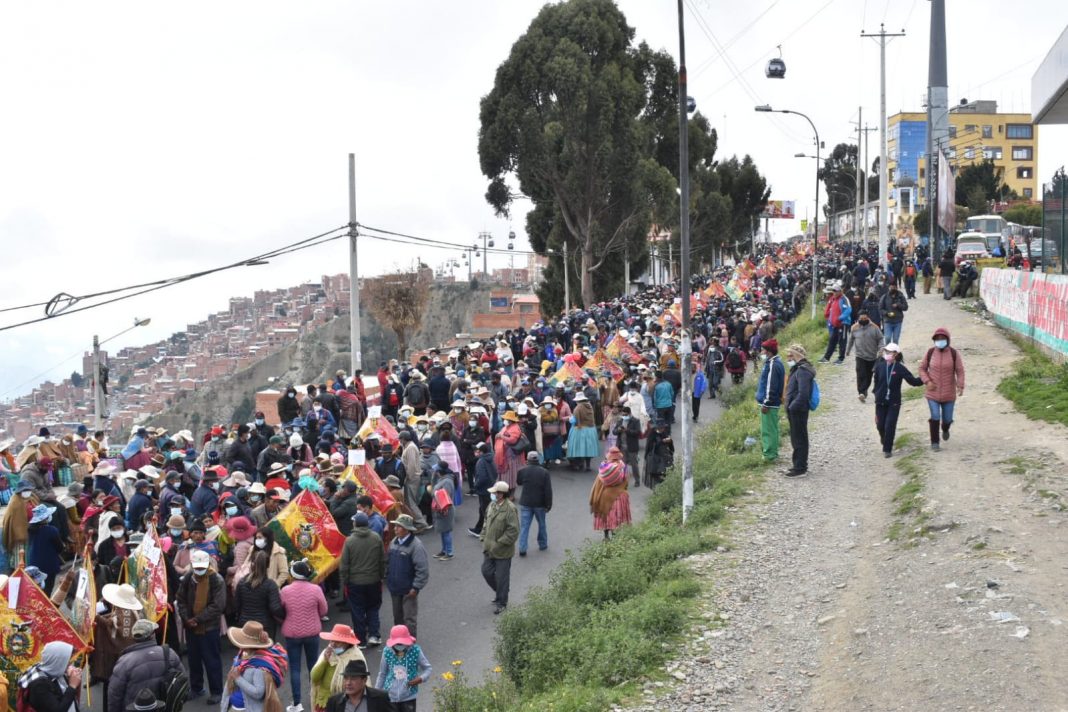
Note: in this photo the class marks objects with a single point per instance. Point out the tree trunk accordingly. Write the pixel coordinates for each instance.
(402, 344)
(588, 260)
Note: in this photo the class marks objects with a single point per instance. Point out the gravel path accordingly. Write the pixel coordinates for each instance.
(812, 607)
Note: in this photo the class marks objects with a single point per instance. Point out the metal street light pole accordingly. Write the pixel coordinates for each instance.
(356, 355)
(98, 387)
(684, 277)
(816, 218)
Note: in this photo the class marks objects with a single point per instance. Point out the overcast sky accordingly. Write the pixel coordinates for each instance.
(141, 141)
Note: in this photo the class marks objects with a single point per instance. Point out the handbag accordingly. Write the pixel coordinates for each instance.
(441, 502)
(521, 445)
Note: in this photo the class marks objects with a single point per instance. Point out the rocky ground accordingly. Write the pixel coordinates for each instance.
(826, 598)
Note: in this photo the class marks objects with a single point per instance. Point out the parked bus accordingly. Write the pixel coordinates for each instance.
(992, 227)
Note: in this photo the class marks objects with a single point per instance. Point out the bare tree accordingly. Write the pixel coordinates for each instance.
(398, 301)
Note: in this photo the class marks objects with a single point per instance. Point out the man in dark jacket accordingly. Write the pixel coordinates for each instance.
(407, 572)
(798, 398)
(274, 452)
(362, 568)
(355, 692)
(439, 389)
(769, 397)
(201, 600)
(289, 406)
(485, 476)
(142, 666)
(206, 497)
(239, 451)
(893, 306)
(535, 501)
(343, 506)
(628, 434)
(140, 503)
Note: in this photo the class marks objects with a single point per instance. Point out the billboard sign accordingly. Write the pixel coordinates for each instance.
(779, 209)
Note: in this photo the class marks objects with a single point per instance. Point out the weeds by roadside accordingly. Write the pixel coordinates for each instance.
(911, 517)
(1037, 386)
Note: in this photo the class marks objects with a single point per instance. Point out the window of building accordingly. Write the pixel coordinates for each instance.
(968, 128)
(1024, 173)
(1028, 193)
(951, 153)
(988, 132)
(993, 154)
(953, 132)
(1023, 153)
(1019, 131)
(969, 153)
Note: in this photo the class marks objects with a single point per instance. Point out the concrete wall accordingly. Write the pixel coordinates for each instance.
(1033, 304)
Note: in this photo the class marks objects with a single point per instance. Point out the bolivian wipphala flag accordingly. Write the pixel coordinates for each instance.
(28, 620)
(306, 530)
(146, 571)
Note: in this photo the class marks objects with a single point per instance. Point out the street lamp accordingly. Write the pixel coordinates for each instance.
(765, 108)
(98, 386)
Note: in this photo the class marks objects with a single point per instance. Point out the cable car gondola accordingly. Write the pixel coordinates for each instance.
(776, 68)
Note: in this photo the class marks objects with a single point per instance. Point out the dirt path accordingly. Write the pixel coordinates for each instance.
(815, 607)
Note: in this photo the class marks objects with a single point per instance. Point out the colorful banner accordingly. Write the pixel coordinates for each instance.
(146, 571)
(381, 426)
(1031, 303)
(368, 482)
(619, 350)
(28, 620)
(306, 530)
(79, 604)
(715, 290)
(600, 363)
(567, 370)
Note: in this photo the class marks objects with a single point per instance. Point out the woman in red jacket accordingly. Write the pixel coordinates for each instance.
(942, 371)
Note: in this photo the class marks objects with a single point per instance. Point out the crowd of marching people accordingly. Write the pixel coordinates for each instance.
(596, 391)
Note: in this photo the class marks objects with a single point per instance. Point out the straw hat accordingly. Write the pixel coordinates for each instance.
(121, 595)
(6, 443)
(249, 636)
(257, 488)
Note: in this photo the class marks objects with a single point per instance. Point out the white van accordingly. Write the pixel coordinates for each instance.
(971, 246)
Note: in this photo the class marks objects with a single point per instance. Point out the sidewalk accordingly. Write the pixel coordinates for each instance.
(815, 608)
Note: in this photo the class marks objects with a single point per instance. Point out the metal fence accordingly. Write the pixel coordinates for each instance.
(1055, 224)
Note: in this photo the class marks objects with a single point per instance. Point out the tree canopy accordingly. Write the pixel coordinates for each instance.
(398, 301)
(586, 122)
(980, 183)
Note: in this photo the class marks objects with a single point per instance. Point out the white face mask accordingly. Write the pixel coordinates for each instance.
(792, 363)
(493, 496)
(255, 498)
(317, 408)
(117, 533)
(27, 493)
(260, 421)
(213, 530)
(472, 423)
(763, 357)
(292, 395)
(176, 533)
(176, 510)
(260, 543)
(200, 572)
(231, 511)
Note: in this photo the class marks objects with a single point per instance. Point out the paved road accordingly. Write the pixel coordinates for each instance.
(456, 620)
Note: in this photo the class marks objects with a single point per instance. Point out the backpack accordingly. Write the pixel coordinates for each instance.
(814, 398)
(930, 352)
(174, 688)
(734, 360)
(394, 398)
(910, 271)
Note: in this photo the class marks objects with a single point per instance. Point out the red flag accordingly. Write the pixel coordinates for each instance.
(381, 426)
(28, 620)
(368, 482)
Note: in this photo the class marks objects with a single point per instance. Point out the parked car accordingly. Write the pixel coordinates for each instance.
(971, 246)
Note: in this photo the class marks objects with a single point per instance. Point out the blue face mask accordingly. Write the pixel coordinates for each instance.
(176, 533)
(941, 343)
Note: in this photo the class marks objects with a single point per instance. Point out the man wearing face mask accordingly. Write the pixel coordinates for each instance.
(274, 452)
(893, 306)
(264, 507)
(201, 600)
(867, 338)
(171, 495)
(140, 503)
(288, 406)
(798, 398)
(206, 497)
(628, 434)
(499, 536)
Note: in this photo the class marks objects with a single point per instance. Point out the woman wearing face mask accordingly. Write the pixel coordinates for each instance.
(342, 646)
(278, 565)
(942, 371)
(45, 545)
(256, 596)
(241, 532)
(17, 522)
(889, 374)
(404, 668)
(53, 684)
(110, 544)
(450, 454)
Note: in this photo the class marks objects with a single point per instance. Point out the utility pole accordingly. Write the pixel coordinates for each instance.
(98, 391)
(626, 270)
(856, 182)
(567, 281)
(354, 276)
(937, 117)
(884, 188)
(684, 279)
(867, 162)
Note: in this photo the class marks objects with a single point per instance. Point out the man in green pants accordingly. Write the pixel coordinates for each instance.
(769, 398)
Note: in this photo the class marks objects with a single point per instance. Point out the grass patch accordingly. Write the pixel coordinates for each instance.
(1037, 386)
(912, 394)
(1020, 465)
(904, 440)
(612, 612)
(911, 521)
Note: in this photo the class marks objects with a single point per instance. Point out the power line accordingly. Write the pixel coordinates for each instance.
(730, 43)
(68, 301)
(438, 243)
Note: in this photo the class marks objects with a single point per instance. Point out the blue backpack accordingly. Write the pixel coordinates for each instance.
(814, 399)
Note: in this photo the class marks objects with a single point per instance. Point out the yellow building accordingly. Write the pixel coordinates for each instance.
(976, 132)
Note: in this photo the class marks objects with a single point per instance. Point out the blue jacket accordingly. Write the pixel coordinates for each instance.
(139, 504)
(485, 474)
(770, 384)
(204, 501)
(700, 384)
(407, 566)
(663, 395)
